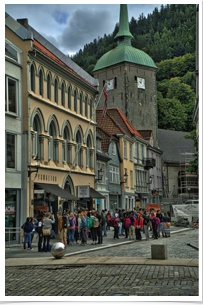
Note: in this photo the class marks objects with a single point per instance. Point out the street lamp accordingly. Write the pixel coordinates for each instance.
(125, 179)
(37, 165)
(100, 175)
(150, 180)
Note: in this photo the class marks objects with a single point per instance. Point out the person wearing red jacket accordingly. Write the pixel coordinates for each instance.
(115, 222)
(138, 224)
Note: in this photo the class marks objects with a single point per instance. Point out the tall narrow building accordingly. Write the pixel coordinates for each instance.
(131, 79)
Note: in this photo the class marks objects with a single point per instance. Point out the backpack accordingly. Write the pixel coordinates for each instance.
(95, 222)
(128, 222)
(111, 222)
(103, 221)
(65, 222)
(157, 221)
(70, 222)
(83, 223)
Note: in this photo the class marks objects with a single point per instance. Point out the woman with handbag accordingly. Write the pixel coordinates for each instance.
(46, 230)
(166, 225)
(27, 227)
(138, 224)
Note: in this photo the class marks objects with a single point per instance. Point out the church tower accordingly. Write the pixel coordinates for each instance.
(131, 79)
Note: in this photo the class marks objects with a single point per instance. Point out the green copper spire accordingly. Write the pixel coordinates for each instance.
(123, 23)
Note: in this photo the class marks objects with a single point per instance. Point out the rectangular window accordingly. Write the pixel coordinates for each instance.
(131, 152)
(125, 149)
(114, 174)
(11, 93)
(131, 178)
(10, 151)
(135, 152)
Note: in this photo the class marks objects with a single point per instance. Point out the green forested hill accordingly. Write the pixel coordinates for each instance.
(169, 37)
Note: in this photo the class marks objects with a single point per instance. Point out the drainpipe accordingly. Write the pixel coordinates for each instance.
(156, 111)
(29, 134)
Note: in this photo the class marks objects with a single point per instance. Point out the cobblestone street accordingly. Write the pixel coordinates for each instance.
(109, 280)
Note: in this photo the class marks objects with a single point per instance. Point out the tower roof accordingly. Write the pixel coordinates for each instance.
(123, 23)
(124, 52)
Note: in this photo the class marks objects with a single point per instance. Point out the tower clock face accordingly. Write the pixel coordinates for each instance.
(141, 83)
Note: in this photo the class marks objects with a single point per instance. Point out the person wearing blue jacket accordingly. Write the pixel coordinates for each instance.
(27, 227)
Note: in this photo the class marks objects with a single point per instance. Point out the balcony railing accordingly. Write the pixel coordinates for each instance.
(149, 163)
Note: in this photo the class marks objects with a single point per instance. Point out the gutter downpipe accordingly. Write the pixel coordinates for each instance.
(156, 111)
(29, 134)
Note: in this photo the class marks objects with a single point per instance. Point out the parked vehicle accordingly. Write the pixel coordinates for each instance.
(192, 202)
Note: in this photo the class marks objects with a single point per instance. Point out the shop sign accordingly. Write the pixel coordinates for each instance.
(10, 210)
(98, 201)
(42, 208)
(38, 191)
(155, 207)
(84, 191)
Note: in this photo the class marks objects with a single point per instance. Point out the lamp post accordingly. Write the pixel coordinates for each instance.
(125, 179)
(37, 165)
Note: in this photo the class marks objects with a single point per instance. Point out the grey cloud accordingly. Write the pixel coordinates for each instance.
(83, 27)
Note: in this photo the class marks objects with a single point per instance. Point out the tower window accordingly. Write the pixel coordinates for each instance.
(115, 83)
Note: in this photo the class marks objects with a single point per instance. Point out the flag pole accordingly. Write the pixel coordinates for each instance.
(77, 152)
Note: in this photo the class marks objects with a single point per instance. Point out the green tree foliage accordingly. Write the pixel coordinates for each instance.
(193, 165)
(162, 34)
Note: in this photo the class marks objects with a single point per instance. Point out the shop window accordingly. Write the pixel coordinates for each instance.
(10, 213)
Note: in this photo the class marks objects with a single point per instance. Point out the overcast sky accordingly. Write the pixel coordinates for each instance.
(70, 26)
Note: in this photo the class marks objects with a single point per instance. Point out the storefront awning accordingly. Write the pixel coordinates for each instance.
(57, 191)
(95, 194)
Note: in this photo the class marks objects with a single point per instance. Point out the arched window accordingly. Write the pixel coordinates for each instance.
(53, 153)
(56, 90)
(41, 82)
(90, 108)
(49, 87)
(66, 137)
(81, 104)
(36, 146)
(32, 74)
(69, 97)
(88, 155)
(86, 111)
(63, 94)
(75, 100)
(79, 154)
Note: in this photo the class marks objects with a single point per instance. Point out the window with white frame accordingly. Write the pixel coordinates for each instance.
(131, 152)
(125, 149)
(140, 153)
(135, 152)
(131, 178)
(114, 174)
(10, 151)
(11, 95)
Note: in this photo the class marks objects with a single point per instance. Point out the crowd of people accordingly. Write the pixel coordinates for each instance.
(83, 225)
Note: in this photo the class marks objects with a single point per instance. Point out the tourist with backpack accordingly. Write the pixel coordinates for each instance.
(146, 224)
(115, 222)
(154, 225)
(132, 228)
(94, 223)
(71, 228)
(105, 221)
(62, 230)
(160, 226)
(83, 229)
(138, 224)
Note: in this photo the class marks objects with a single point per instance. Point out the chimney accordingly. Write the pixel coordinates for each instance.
(23, 22)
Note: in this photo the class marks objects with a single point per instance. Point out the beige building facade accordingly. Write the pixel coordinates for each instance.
(58, 122)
